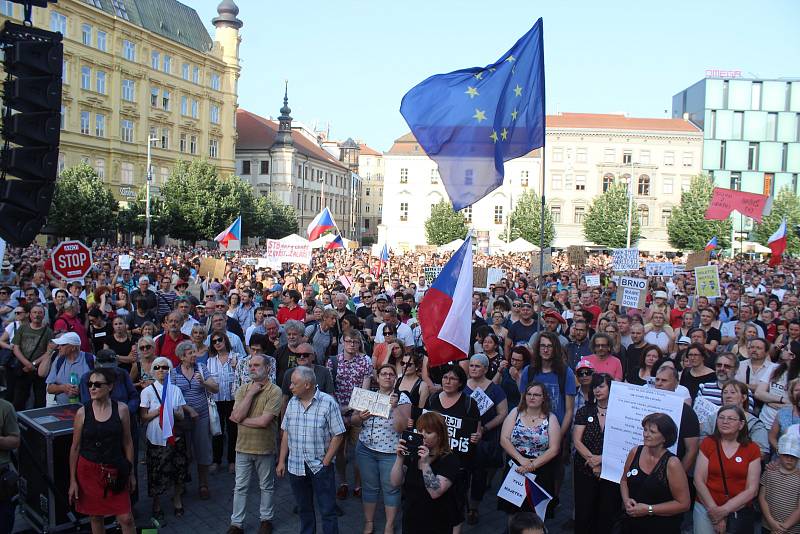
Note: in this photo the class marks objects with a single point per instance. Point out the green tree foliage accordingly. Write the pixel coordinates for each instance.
(83, 208)
(688, 229)
(606, 222)
(278, 219)
(444, 224)
(786, 204)
(132, 219)
(526, 220)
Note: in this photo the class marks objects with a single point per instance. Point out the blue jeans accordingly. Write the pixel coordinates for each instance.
(376, 470)
(321, 485)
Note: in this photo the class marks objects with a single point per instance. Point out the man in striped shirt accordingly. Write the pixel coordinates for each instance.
(726, 366)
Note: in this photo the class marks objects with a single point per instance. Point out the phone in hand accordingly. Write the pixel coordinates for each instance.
(412, 441)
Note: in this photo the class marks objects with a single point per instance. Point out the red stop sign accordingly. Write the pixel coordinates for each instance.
(72, 260)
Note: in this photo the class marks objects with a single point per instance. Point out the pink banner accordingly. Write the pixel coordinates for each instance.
(723, 201)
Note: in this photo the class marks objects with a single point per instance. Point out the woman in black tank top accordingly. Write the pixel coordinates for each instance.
(654, 487)
(410, 382)
(101, 457)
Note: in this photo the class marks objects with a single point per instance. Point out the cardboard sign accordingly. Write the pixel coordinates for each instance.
(707, 281)
(626, 259)
(576, 255)
(666, 268)
(592, 280)
(480, 277)
(536, 259)
(697, 259)
(212, 268)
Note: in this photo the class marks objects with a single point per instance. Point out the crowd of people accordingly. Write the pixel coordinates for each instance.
(255, 373)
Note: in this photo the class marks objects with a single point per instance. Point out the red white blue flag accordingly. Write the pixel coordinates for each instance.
(777, 243)
(320, 224)
(231, 237)
(711, 245)
(445, 313)
(336, 243)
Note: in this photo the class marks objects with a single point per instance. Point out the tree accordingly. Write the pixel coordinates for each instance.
(526, 220)
(688, 228)
(786, 204)
(444, 224)
(132, 219)
(83, 208)
(279, 219)
(606, 222)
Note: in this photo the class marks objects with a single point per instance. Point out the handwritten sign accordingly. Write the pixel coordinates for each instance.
(278, 252)
(704, 409)
(480, 277)
(536, 260)
(696, 259)
(513, 487)
(628, 404)
(707, 278)
(592, 280)
(483, 400)
(576, 255)
(373, 402)
(494, 276)
(431, 272)
(723, 201)
(652, 268)
(626, 259)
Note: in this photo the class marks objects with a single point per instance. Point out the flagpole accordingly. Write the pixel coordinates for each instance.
(544, 138)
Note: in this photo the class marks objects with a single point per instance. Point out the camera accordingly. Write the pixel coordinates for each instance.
(412, 441)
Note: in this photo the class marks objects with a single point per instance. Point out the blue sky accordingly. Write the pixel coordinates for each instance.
(350, 62)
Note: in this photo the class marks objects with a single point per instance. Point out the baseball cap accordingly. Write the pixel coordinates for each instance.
(181, 283)
(789, 444)
(660, 295)
(584, 364)
(684, 340)
(68, 338)
(277, 288)
(382, 296)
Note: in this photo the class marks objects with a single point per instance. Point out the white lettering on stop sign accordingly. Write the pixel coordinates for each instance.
(72, 260)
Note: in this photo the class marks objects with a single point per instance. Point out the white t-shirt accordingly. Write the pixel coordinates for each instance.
(150, 401)
(777, 388)
(404, 334)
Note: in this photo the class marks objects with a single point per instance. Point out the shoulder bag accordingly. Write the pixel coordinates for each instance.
(214, 423)
(741, 521)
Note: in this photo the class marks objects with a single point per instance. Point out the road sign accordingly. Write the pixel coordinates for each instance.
(72, 260)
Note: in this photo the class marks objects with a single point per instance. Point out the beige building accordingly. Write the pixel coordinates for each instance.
(370, 167)
(139, 69)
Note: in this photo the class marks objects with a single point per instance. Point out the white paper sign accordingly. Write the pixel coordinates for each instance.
(626, 259)
(373, 402)
(279, 252)
(494, 275)
(125, 262)
(666, 268)
(482, 400)
(513, 487)
(633, 283)
(630, 297)
(704, 409)
(628, 404)
(592, 280)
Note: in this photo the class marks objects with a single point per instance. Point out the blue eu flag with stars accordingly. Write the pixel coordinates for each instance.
(471, 121)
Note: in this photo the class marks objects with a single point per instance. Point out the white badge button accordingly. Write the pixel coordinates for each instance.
(590, 419)
(634, 472)
(738, 459)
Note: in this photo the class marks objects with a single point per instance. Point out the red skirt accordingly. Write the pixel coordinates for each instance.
(93, 499)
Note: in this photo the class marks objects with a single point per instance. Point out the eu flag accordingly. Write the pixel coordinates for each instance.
(470, 121)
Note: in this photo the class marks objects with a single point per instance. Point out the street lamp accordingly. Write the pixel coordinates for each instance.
(147, 236)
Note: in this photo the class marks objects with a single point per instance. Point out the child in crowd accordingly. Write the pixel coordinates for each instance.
(526, 523)
(779, 497)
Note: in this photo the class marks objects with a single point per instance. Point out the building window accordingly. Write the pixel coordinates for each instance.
(100, 168)
(64, 111)
(555, 214)
(167, 64)
(469, 176)
(498, 214)
(568, 182)
(213, 148)
(101, 41)
(669, 158)
(688, 159)
(578, 214)
(128, 90)
(184, 105)
(558, 155)
(434, 176)
(85, 117)
(195, 107)
(467, 213)
(712, 125)
(580, 182)
(182, 143)
(581, 155)
(609, 154)
(119, 9)
(215, 82)
(126, 174)
(722, 148)
(784, 156)
(165, 97)
(58, 23)
(366, 191)
(667, 187)
(185, 71)
(7, 8)
(752, 157)
(627, 157)
(128, 50)
(153, 137)
(755, 95)
(608, 181)
(100, 82)
(154, 92)
(366, 208)
(126, 130)
(644, 157)
(725, 94)
(555, 182)
(86, 78)
(666, 214)
(737, 126)
(193, 144)
(100, 125)
(403, 211)
(626, 180)
(155, 59)
(523, 178)
(403, 176)
(62, 162)
(165, 138)
(86, 34)
(644, 185)
(163, 175)
(246, 167)
(264, 166)
(214, 114)
(736, 181)
(772, 126)
(196, 75)
(65, 72)
(644, 216)
(686, 183)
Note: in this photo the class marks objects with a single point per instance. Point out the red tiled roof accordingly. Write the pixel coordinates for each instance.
(368, 151)
(258, 133)
(605, 121)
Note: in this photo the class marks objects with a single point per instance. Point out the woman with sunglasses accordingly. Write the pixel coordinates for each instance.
(167, 464)
(141, 372)
(411, 383)
(101, 457)
(380, 351)
(221, 366)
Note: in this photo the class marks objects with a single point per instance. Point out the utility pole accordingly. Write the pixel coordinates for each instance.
(630, 205)
(147, 237)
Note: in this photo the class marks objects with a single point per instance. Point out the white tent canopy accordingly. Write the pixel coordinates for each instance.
(293, 239)
(452, 246)
(752, 246)
(517, 246)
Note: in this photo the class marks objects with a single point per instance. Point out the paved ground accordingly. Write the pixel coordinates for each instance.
(207, 517)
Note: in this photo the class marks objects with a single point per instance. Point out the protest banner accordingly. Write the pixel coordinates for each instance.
(125, 261)
(459, 430)
(632, 292)
(653, 268)
(696, 259)
(626, 259)
(480, 276)
(431, 272)
(592, 280)
(723, 201)
(517, 488)
(707, 281)
(628, 404)
(536, 260)
(704, 408)
(576, 255)
(278, 252)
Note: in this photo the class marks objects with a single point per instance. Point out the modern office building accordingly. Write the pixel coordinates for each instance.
(751, 130)
(139, 69)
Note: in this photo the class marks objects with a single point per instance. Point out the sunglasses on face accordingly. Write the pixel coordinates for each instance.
(217, 340)
(305, 354)
(160, 368)
(145, 347)
(585, 373)
(96, 385)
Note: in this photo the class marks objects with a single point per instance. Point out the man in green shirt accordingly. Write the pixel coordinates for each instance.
(9, 440)
(30, 347)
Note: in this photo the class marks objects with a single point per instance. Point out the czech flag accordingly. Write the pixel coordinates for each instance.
(166, 418)
(321, 224)
(231, 233)
(336, 243)
(711, 245)
(445, 313)
(537, 497)
(777, 243)
(384, 259)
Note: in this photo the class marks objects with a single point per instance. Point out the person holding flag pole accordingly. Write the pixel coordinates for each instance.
(166, 456)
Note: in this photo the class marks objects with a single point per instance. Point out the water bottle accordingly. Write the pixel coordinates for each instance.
(73, 381)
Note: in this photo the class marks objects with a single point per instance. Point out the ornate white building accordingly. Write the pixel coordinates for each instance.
(584, 154)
